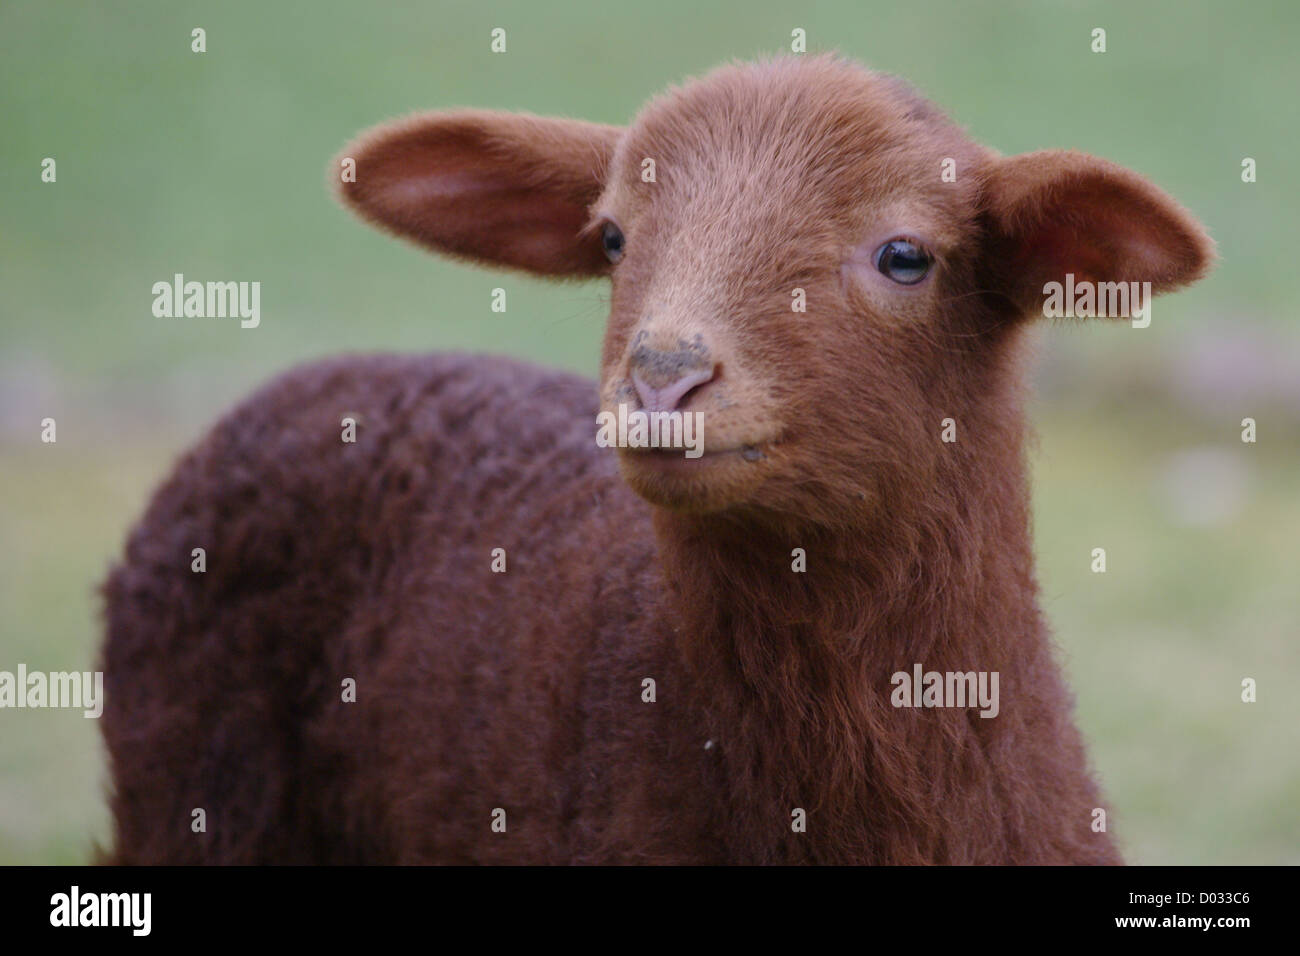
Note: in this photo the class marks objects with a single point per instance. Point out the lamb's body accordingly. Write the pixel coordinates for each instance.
(860, 508)
(522, 690)
(470, 680)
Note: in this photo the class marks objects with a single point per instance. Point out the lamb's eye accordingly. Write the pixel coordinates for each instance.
(902, 261)
(611, 237)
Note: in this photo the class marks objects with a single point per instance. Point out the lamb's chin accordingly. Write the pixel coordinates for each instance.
(714, 481)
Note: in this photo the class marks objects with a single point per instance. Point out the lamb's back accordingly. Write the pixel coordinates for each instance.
(368, 561)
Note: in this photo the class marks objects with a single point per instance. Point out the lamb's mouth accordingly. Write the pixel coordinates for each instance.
(678, 459)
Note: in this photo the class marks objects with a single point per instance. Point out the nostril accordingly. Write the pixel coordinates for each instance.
(692, 391)
(670, 396)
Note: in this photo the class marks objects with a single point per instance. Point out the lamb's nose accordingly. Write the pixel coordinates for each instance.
(663, 379)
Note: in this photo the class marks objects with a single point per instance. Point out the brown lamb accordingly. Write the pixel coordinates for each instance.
(507, 716)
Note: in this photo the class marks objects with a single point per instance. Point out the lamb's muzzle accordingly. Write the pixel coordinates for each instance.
(661, 390)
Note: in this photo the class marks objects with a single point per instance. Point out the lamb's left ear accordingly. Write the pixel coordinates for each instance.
(505, 189)
(1056, 212)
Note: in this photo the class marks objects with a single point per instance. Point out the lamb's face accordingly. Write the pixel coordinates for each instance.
(805, 255)
(784, 243)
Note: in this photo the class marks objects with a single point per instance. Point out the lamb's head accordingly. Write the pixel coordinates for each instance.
(808, 261)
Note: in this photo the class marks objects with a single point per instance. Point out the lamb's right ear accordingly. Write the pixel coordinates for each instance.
(506, 189)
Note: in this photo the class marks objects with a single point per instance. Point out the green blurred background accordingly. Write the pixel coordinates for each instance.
(214, 165)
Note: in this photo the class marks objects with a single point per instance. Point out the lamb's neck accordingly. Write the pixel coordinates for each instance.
(792, 669)
(900, 592)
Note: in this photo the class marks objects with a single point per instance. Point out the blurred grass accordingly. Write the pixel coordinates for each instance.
(215, 165)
